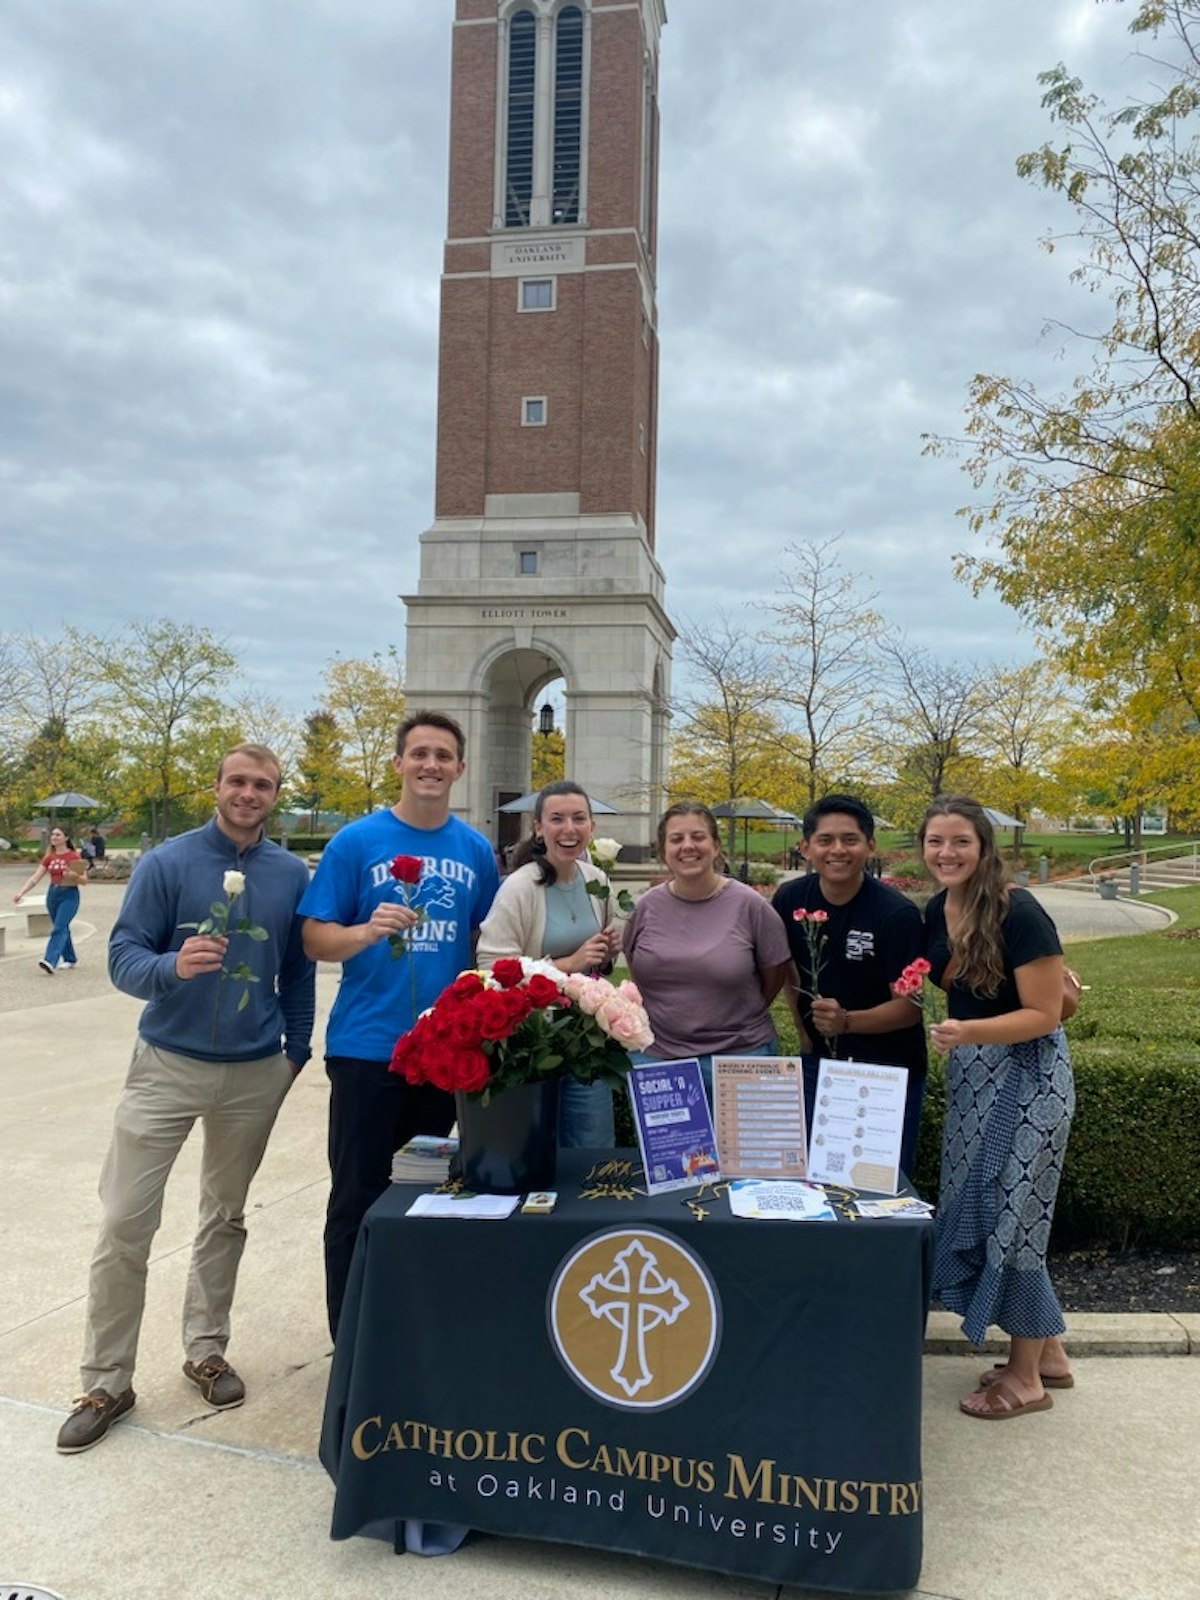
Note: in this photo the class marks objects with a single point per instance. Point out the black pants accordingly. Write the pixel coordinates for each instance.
(372, 1112)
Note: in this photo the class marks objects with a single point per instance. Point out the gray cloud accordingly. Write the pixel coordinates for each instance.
(220, 232)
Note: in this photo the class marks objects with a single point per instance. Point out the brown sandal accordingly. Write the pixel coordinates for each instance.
(1064, 1380)
(1001, 1404)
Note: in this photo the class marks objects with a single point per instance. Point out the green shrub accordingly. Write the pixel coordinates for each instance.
(304, 844)
(1132, 1171)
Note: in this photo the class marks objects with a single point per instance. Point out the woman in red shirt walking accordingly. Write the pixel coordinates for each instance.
(66, 869)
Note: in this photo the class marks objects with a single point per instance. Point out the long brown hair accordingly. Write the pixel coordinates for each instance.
(977, 941)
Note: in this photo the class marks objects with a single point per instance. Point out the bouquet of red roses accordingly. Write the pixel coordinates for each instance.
(519, 1023)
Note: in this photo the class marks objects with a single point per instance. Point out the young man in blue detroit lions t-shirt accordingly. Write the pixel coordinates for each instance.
(352, 907)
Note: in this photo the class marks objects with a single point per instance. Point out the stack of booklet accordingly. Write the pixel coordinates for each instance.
(424, 1159)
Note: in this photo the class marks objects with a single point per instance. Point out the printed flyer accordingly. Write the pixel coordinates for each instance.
(674, 1127)
(758, 1109)
(858, 1120)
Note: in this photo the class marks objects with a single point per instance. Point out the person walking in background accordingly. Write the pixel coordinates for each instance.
(226, 1027)
(397, 899)
(545, 909)
(1010, 1096)
(707, 952)
(67, 871)
(867, 934)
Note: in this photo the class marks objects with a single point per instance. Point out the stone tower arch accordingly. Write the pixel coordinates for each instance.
(542, 546)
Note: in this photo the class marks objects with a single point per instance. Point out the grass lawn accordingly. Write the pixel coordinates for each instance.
(1146, 962)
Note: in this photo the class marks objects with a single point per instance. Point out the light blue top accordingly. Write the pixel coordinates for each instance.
(564, 901)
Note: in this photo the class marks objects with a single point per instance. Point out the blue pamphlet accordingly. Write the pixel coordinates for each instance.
(674, 1125)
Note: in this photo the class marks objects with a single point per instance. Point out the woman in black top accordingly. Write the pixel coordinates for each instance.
(1009, 1101)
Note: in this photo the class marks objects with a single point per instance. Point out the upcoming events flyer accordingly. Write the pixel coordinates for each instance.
(758, 1109)
(674, 1128)
(857, 1122)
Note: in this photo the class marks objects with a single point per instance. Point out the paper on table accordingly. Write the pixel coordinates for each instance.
(905, 1205)
(786, 1202)
(481, 1207)
(858, 1125)
(758, 1110)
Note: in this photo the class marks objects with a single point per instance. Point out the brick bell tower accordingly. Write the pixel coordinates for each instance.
(540, 561)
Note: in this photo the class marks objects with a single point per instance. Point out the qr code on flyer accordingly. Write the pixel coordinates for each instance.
(836, 1161)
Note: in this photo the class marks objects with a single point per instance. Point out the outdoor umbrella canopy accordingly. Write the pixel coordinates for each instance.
(1001, 819)
(758, 809)
(745, 811)
(69, 800)
(527, 802)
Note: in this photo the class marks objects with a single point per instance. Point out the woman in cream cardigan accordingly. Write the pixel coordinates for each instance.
(544, 910)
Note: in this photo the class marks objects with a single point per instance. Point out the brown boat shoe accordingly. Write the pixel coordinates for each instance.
(216, 1381)
(93, 1416)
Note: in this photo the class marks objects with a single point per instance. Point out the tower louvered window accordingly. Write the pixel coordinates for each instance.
(568, 113)
(522, 63)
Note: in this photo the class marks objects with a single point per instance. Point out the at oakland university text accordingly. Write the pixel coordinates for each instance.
(735, 1478)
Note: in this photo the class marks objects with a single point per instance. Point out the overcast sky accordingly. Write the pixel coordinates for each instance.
(220, 238)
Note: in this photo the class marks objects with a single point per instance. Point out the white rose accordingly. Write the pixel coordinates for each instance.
(605, 851)
(234, 884)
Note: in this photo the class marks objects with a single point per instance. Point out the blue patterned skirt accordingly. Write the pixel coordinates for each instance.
(1008, 1114)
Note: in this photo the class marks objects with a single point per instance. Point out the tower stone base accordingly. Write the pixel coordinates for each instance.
(485, 639)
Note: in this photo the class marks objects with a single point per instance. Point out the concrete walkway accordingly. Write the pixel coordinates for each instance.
(1094, 1499)
(1082, 916)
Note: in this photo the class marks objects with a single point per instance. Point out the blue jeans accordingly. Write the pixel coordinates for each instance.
(62, 904)
(585, 1116)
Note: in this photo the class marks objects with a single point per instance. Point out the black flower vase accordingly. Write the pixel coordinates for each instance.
(510, 1146)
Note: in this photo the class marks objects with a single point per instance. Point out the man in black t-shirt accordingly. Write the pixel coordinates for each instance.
(871, 935)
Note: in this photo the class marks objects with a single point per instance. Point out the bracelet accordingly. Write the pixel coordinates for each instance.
(845, 1020)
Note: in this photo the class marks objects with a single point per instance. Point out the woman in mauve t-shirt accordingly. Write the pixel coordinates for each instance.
(708, 953)
(66, 869)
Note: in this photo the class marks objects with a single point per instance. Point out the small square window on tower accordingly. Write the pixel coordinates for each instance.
(537, 294)
(528, 562)
(533, 411)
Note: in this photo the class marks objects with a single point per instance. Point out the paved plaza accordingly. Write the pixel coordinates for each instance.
(1094, 1500)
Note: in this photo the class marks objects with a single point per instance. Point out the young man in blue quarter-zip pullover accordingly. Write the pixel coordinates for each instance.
(203, 1052)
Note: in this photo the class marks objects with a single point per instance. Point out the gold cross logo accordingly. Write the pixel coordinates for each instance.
(635, 1318)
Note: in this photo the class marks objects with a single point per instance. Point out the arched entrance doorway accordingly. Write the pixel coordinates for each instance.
(514, 686)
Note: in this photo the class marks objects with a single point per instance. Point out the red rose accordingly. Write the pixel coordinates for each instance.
(542, 991)
(474, 1072)
(441, 1066)
(507, 972)
(465, 985)
(406, 869)
(501, 1011)
(462, 1027)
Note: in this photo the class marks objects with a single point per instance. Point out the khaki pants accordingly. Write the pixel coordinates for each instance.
(164, 1095)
